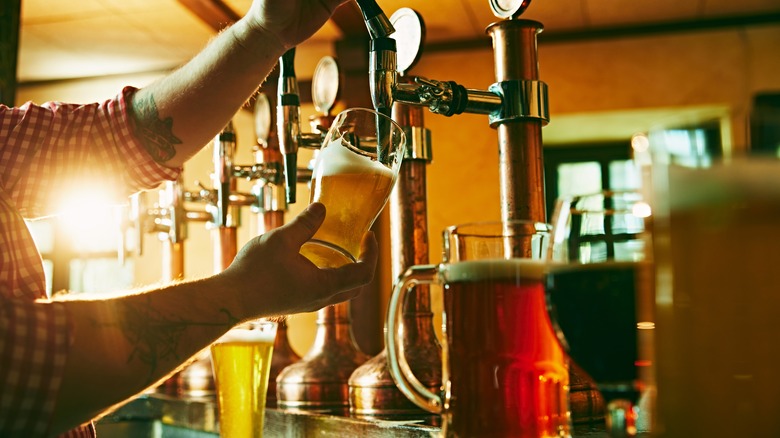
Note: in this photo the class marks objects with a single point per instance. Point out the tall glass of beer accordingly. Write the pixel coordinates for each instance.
(504, 373)
(242, 364)
(353, 175)
(717, 298)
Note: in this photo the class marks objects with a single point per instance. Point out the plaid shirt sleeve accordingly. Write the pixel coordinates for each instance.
(48, 150)
(43, 149)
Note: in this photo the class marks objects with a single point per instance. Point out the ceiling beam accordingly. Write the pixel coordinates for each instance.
(216, 13)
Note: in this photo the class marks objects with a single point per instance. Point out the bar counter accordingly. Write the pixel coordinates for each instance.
(163, 416)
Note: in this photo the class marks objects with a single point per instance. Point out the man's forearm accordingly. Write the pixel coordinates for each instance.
(124, 345)
(179, 114)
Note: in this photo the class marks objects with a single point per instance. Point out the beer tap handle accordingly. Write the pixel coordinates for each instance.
(382, 56)
(224, 154)
(379, 26)
(383, 73)
(288, 121)
(509, 9)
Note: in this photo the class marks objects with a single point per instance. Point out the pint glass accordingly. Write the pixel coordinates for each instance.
(353, 175)
(504, 373)
(718, 270)
(242, 364)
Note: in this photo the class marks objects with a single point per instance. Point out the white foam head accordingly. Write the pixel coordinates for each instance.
(474, 270)
(336, 158)
(242, 335)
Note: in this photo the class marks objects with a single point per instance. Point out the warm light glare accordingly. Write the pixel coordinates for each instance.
(645, 325)
(89, 220)
(641, 209)
(640, 142)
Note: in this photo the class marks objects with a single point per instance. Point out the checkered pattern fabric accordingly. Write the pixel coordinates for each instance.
(44, 151)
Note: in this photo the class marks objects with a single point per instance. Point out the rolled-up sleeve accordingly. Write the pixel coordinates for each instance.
(47, 150)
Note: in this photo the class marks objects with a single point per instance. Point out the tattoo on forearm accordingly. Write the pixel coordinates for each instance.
(156, 337)
(154, 133)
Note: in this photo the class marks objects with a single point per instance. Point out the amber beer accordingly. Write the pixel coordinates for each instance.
(508, 373)
(242, 364)
(717, 301)
(354, 188)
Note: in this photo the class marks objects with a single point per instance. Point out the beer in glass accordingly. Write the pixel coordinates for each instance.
(600, 301)
(504, 372)
(717, 298)
(353, 176)
(242, 364)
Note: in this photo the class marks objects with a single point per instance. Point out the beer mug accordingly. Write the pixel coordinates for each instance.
(504, 373)
(242, 363)
(354, 173)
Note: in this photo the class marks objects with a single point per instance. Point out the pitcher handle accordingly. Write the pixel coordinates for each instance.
(404, 378)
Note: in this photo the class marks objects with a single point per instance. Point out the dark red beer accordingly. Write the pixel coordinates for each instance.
(508, 373)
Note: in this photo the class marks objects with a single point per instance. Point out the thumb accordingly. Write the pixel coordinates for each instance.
(303, 226)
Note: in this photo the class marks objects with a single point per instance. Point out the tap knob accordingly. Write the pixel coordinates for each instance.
(224, 154)
(288, 121)
(509, 9)
(379, 26)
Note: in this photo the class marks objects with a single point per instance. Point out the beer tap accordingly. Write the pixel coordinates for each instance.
(167, 218)
(270, 192)
(224, 153)
(382, 61)
(373, 393)
(379, 26)
(516, 105)
(226, 215)
(289, 123)
(288, 119)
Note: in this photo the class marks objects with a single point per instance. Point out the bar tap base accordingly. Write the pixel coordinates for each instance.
(161, 416)
(373, 394)
(284, 356)
(319, 382)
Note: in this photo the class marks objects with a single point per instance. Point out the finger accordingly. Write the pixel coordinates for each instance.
(369, 249)
(358, 274)
(346, 295)
(303, 226)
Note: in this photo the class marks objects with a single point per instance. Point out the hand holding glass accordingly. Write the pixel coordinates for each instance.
(353, 175)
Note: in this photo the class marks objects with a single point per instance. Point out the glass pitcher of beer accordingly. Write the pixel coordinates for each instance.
(504, 373)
